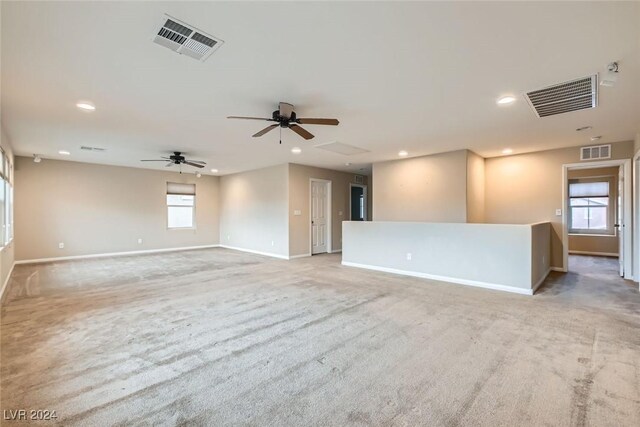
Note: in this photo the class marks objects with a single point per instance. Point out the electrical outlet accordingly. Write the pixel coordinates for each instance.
(558, 212)
(297, 212)
(408, 256)
(339, 213)
(139, 241)
(60, 245)
(228, 237)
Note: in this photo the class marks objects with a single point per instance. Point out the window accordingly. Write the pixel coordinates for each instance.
(181, 201)
(6, 199)
(590, 209)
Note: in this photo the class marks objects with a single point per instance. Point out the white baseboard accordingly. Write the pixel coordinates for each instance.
(558, 269)
(466, 282)
(251, 251)
(143, 252)
(6, 282)
(610, 254)
(299, 256)
(544, 276)
(336, 251)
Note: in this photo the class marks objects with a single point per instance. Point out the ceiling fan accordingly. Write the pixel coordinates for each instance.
(177, 159)
(285, 117)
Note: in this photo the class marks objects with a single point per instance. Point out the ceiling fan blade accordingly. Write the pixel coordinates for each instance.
(186, 162)
(285, 110)
(300, 131)
(168, 165)
(249, 118)
(196, 161)
(265, 130)
(330, 122)
(153, 160)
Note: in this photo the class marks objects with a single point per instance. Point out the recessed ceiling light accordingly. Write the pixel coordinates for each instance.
(36, 158)
(296, 150)
(347, 164)
(403, 153)
(64, 152)
(583, 128)
(86, 106)
(214, 170)
(507, 151)
(198, 175)
(506, 100)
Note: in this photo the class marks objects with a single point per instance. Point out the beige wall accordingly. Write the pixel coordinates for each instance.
(475, 187)
(96, 209)
(254, 207)
(6, 253)
(299, 178)
(597, 244)
(540, 252)
(527, 188)
(426, 189)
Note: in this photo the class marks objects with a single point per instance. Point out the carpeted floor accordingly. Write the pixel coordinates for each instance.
(217, 337)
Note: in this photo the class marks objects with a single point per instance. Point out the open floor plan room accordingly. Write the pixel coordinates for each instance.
(308, 213)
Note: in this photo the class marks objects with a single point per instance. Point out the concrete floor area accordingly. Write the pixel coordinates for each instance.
(218, 337)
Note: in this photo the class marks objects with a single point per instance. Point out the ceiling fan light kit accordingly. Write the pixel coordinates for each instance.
(285, 117)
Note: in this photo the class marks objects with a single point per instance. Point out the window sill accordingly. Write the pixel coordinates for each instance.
(592, 235)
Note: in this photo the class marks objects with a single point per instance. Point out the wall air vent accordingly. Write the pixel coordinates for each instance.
(87, 148)
(340, 148)
(569, 96)
(595, 152)
(185, 39)
(358, 179)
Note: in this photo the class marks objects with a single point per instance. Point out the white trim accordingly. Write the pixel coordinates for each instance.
(336, 251)
(442, 278)
(558, 269)
(299, 256)
(627, 214)
(541, 281)
(611, 254)
(329, 213)
(636, 215)
(251, 251)
(148, 251)
(6, 282)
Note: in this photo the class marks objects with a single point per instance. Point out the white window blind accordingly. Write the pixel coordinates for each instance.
(181, 189)
(589, 189)
(181, 199)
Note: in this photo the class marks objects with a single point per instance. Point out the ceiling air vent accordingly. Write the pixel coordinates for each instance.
(87, 148)
(575, 95)
(595, 152)
(185, 39)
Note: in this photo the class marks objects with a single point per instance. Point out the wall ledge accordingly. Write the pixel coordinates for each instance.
(458, 281)
(251, 251)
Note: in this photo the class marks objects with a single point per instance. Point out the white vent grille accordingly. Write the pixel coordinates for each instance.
(185, 39)
(341, 148)
(87, 148)
(569, 96)
(595, 152)
(359, 179)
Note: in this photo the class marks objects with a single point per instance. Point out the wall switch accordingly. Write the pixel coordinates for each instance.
(228, 237)
(139, 241)
(273, 243)
(297, 212)
(60, 245)
(558, 212)
(408, 256)
(339, 213)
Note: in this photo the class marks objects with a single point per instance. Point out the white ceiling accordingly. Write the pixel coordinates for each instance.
(422, 77)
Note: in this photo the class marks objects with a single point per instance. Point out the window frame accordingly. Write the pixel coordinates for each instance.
(611, 207)
(193, 208)
(6, 181)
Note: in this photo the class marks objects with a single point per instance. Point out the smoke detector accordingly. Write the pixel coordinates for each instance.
(186, 39)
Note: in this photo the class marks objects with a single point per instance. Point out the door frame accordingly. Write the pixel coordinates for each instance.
(364, 192)
(328, 208)
(627, 211)
(636, 217)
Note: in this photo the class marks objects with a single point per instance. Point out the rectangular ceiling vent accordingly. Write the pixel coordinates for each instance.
(87, 148)
(595, 152)
(575, 95)
(185, 39)
(340, 148)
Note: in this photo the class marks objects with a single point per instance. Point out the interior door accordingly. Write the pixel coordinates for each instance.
(318, 217)
(620, 220)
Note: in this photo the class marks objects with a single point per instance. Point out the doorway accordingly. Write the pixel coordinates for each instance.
(358, 202)
(597, 213)
(320, 201)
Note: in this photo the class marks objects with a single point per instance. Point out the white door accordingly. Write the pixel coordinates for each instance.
(319, 221)
(620, 220)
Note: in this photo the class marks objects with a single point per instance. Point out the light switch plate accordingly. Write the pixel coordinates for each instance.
(339, 213)
(297, 212)
(558, 212)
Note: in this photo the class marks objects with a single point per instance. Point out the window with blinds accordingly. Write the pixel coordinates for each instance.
(6, 199)
(589, 207)
(181, 205)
